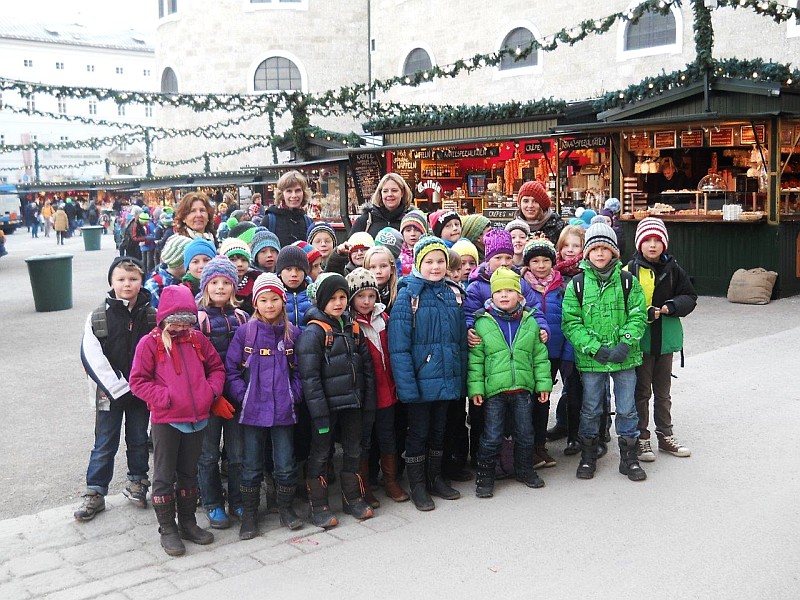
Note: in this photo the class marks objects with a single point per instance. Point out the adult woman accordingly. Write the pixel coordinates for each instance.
(670, 178)
(390, 202)
(287, 217)
(194, 217)
(535, 209)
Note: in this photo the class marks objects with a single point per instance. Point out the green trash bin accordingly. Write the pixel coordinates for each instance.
(51, 281)
(91, 237)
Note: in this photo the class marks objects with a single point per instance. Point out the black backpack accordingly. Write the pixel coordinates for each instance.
(625, 276)
(126, 243)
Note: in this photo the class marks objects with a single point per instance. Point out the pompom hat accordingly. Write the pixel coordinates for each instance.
(425, 245)
(600, 234)
(234, 246)
(361, 279)
(650, 227)
(268, 282)
(535, 190)
(220, 266)
(539, 246)
(497, 241)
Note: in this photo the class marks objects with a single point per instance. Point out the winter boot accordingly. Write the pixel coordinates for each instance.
(438, 485)
(415, 470)
(270, 493)
(629, 460)
(164, 507)
(523, 467)
(93, 503)
(363, 471)
(390, 483)
(588, 464)
(484, 479)
(289, 518)
(321, 515)
(187, 522)
(353, 502)
(251, 498)
(136, 492)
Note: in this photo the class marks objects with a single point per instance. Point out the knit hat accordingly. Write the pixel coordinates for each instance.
(425, 244)
(601, 218)
(466, 248)
(220, 266)
(244, 231)
(440, 218)
(312, 253)
(391, 239)
(539, 246)
(237, 214)
(231, 223)
(234, 246)
(197, 247)
(172, 254)
(613, 205)
(505, 279)
(264, 238)
(175, 299)
(125, 259)
(497, 241)
(535, 190)
(291, 256)
(322, 290)
(144, 217)
(268, 282)
(649, 227)
(222, 207)
(518, 224)
(600, 234)
(320, 227)
(166, 218)
(361, 279)
(361, 239)
(472, 226)
(415, 218)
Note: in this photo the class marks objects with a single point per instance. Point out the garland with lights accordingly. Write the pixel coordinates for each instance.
(703, 34)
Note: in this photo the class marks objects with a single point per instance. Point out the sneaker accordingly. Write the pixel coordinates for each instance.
(136, 492)
(218, 518)
(668, 443)
(573, 448)
(645, 451)
(556, 432)
(93, 503)
(544, 457)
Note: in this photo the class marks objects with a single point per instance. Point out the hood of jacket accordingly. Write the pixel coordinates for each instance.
(175, 299)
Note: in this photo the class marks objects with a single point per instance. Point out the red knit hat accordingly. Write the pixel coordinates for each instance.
(535, 190)
(651, 227)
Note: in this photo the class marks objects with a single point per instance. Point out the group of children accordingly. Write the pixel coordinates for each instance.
(281, 351)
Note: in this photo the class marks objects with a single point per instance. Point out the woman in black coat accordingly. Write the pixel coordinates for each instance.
(390, 202)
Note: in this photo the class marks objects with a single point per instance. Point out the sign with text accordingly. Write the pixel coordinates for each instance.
(367, 170)
(405, 165)
(537, 147)
(664, 139)
(585, 142)
(692, 139)
(721, 137)
(748, 136)
(454, 152)
(638, 141)
(500, 214)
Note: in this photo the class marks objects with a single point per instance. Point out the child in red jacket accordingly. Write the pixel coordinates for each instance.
(179, 374)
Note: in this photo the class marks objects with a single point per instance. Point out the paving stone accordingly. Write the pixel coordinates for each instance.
(14, 590)
(55, 517)
(384, 523)
(91, 589)
(123, 581)
(192, 561)
(188, 580)
(236, 566)
(104, 525)
(5, 573)
(41, 538)
(53, 581)
(17, 526)
(30, 564)
(160, 588)
(121, 563)
(12, 546)
(277, 554)
(312, 543)
(146, 534)
(243, 547)
(98, 549)
(351, 532)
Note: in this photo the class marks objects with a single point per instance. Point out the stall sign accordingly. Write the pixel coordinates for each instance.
(405, 165)
(454, 152)
(500, 214)
(537, 147)
(748, 136)
(638, 141)
(585, 142)
(665, 139)
(692, 139)
(367, 170)
(721, 137)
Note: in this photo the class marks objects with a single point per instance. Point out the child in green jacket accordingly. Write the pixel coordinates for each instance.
(603, 317)
(506, 370)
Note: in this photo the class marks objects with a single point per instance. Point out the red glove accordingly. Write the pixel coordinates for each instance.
(222, 408)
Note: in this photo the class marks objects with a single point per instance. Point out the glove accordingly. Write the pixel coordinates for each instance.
(619, 353)
(222, 408)
(602, 355)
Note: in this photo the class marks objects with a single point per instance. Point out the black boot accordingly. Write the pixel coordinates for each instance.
(321, 515)
(353, 502)
(289, 518)
(270, 493)
(484, 478)
(438, 485)
(629, 460)
(415, 470)
(523, 467)
(164, 507)
(588, 464)
(251, 499)
(187, 523)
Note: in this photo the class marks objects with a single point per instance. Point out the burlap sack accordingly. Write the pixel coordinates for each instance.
(751, 286)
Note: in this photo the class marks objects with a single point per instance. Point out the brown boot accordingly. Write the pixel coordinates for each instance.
(393, 488)
(363, 470)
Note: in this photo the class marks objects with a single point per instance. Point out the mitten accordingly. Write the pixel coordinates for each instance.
(222, 408)
(602, 355)
(619, 353)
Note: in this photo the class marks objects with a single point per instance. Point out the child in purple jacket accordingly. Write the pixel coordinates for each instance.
(263, 379)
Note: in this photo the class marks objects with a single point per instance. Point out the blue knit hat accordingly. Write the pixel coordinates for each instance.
(320, 227)
(196, 247)
(264, 238)
(219, 266)
(426, 244)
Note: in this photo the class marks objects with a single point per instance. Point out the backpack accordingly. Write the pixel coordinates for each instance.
(205, 324)
(100, 321)
(272, 221)
(249, 343)
(625, 276)
(126, 243)
(329, 332)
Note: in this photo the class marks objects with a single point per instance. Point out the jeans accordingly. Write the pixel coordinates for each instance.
(208, 465)
(175, 457)
(350, 424)
(35, 229)
(426, 424)
(107, 429)
(384, 428)
(284, 464)
(655, 373)
(495, 409)
(148, 261)
(626, 421)
(367, 425)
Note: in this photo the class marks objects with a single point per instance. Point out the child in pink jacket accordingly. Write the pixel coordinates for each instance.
(180, 376)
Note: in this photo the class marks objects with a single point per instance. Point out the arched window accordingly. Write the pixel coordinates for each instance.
(417, 60)
(169, 82)
(277, 73)
(518, 38)
(652, 30)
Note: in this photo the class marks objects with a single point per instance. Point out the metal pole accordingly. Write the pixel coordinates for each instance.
(36, 162)
(207, 163)
(147, 148)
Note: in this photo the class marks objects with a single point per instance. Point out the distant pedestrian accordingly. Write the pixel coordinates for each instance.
(60, 224)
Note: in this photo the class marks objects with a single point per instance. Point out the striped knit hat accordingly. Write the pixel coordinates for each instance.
(649, 227)
(600, 234)
(497, 241)
(361, 239)
(472, 226)
(312, 253)
(518, 224)
(219, 266)
(539, 246)
(264, 238)
(390, 238)
(172, 254)
(426, 244)
(233, 246)
(415, 218)
(268, 282)
(320, 227)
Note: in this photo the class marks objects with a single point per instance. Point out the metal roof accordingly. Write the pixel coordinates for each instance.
(75, 34)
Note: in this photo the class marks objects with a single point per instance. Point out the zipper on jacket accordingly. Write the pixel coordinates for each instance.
(189, 381)
(350, 355)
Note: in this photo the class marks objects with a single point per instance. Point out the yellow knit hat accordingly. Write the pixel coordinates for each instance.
(505, 279)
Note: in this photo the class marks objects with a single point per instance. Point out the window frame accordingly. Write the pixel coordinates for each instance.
(251, 84)
(165, 14)
(675, 48)
(793, 27)
(161, 80)
(536, 69)
(92, 107)
(408, 49)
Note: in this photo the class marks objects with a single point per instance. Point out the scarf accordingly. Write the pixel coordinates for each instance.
(191, 279)
(514, 315)
(569, 267)
(604, 274)
(540, 285)
(537, 225)
(200, 234)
